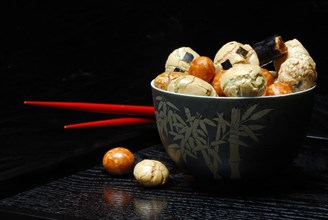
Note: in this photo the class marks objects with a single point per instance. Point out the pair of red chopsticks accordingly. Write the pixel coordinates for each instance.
(147, 112)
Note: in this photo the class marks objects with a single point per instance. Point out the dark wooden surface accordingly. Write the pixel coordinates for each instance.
(300, 192)
(108, 52)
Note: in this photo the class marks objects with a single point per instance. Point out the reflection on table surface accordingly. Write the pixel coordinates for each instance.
(109, 53)
(297, 192)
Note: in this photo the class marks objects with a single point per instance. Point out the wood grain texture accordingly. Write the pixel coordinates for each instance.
(300, 192)
(108, 52)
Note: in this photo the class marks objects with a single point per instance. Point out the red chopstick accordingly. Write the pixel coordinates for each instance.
(111, 122)
(100, 108)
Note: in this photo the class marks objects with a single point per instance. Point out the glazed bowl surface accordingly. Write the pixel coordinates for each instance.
(232, 138)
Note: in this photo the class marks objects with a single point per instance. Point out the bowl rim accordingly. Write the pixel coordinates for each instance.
(152, 84)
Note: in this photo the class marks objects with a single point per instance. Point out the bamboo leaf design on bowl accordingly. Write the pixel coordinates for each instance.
(191, 137)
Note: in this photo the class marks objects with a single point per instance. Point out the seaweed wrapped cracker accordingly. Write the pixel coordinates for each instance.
(296, 68)
(294, 47)
(191, 85)
(243, 80)
(162, 80)
(179, 60)
(299, 72)
(269, 49)
(233, 53)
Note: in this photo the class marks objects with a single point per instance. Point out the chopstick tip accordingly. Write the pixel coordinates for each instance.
(27, 102)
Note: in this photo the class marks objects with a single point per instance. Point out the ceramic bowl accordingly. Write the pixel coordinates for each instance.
(232, 138)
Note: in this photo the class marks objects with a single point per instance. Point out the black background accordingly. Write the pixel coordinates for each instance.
(108, 52)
